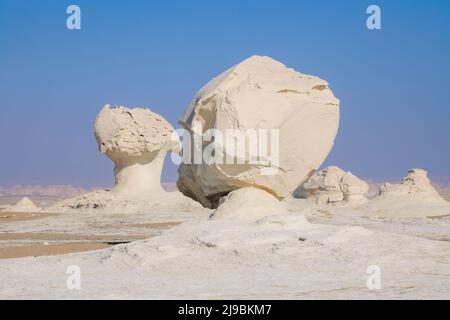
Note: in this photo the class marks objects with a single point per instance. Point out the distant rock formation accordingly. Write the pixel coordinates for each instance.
(260, 93)
(332, 185)
(353, 187)
(413, 197)
(444, 192)
(24, 205)
(415, 183)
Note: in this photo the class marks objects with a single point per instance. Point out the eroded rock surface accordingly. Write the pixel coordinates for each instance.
(332, 185)
(248, 203)
(137, 140)
(414, 197)
(261, 93)
(416, 183)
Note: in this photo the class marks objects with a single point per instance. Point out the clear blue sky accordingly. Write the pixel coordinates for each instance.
(393, 83)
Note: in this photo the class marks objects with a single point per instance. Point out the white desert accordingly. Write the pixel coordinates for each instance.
(240, 233)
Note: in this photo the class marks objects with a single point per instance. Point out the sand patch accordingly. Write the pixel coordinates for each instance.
(49, 250)
(78, 243)
(14, 236)
(155, 225)
(22, 216)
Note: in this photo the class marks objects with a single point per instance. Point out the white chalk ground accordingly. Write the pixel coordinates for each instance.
(300, 251)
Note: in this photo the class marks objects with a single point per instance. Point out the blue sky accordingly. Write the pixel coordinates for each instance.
(393, 83)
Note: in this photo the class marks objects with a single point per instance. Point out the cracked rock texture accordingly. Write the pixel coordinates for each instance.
(260, 93)
(121, 132)
(415, 183)
(137, 140)
(332, 185)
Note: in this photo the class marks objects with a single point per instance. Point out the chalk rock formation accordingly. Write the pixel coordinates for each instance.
(413, 197)
(256, 94)
(416, 183)
(137, 140)
(332, 185)
(444, 192)
(353, 187)
(248, 203)
(24, 205)
(324, 186)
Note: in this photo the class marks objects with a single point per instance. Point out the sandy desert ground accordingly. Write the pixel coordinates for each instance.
(303, 251)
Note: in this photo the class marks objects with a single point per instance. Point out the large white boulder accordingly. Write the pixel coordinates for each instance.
(256, 94)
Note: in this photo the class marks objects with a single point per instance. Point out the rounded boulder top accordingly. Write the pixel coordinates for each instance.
(121, 131)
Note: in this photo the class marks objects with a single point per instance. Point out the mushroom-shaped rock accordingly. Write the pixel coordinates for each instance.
(413, 197)
(136, 140)
(333, 184)
(259, 96)
(24, 205)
